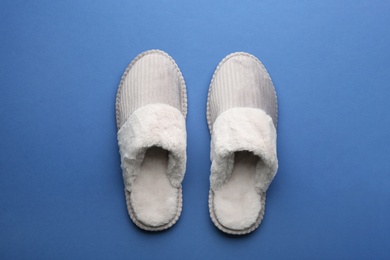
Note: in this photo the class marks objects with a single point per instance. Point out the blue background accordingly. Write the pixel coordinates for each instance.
(61, 192)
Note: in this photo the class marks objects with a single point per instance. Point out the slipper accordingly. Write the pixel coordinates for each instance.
(242, 119)
(151, 107)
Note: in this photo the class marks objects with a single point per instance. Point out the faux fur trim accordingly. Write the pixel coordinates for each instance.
(153, 125)
(243, 129)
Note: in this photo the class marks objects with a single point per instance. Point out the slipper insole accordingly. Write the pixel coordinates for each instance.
(153, 198)
(237, 204)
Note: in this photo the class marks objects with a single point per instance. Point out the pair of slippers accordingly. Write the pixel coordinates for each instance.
(151, 108)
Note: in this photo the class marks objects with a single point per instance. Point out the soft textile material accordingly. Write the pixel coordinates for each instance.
(241, 80)
(237, 204)
(152, 77)
(152, 125)
(153, 199)
(243, 129)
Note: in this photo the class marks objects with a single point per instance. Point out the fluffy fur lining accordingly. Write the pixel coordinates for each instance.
(243, 129)
(158, 125)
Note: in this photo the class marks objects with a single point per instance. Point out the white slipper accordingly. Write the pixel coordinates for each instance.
(242, 118)
(151, 106)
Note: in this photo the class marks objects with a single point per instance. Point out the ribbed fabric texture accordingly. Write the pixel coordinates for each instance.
(241, 81)
(153, 77)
